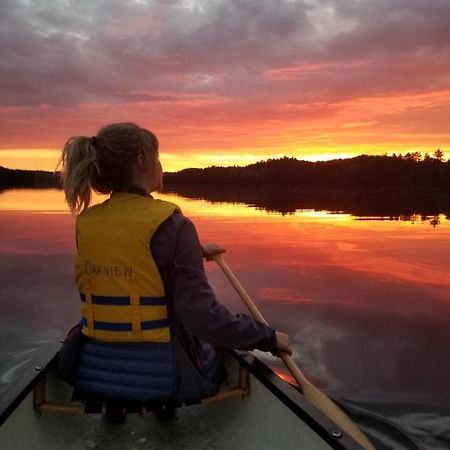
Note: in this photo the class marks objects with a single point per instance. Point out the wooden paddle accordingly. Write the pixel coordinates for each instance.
(313, 394)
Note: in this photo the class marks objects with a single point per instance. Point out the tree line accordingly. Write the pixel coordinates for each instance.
(409, 171)
(363, 172)
(16, 178)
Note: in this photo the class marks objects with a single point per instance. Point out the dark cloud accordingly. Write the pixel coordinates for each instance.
(393, 26)
(70, 52)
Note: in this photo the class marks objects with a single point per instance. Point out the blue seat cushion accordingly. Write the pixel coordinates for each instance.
(136, 372)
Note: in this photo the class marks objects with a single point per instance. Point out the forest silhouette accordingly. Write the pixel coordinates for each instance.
(362, 172)
(396, 187)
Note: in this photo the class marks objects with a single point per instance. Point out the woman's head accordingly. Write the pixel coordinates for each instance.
(120, 155)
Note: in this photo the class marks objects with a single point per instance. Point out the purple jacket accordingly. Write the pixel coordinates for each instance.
(178, 254)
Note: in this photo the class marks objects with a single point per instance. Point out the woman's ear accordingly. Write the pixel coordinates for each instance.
(142, 161)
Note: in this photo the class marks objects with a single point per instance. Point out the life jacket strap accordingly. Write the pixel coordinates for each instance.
(135, 310)
(88, 309)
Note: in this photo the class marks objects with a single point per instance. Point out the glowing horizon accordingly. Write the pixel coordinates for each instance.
(47, 159)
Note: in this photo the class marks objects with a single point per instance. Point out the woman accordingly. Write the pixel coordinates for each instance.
(150, 319)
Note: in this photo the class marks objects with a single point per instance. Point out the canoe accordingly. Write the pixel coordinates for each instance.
(255, 410)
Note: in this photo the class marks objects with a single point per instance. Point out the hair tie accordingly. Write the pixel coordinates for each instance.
(94, 141)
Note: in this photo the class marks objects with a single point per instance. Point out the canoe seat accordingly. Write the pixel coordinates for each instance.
(116, 411)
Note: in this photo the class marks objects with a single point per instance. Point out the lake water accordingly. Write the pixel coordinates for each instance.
(366, 302)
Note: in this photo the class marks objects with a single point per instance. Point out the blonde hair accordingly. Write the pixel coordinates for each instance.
(104, 163)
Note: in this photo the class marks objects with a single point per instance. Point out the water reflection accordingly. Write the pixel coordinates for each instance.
(366, 302)
(395, 204)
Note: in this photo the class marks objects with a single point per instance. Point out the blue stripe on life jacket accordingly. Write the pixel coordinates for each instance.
(112, 326)
(151, 324)
(147, 301)
(126, 326)
(109, 326)
(124, 301)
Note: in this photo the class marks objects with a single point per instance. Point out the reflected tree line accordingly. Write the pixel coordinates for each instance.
(406, 205)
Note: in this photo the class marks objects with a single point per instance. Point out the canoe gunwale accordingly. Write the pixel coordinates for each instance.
(25, 384)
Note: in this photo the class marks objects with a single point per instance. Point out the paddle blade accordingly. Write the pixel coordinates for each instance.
(325, 405)
(330, 409)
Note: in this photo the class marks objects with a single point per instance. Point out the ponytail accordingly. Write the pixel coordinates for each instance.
(78, 165)
(105, 163)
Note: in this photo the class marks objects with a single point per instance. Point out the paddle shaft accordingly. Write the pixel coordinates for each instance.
(286, 358)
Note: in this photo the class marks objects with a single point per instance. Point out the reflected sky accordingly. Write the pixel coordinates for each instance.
(366, 303)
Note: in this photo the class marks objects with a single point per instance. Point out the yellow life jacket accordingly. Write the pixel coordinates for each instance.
(122, 294)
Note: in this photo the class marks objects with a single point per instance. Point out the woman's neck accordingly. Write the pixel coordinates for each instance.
(132, 189)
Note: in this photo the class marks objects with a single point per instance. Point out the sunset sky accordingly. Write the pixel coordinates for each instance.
(225, 82)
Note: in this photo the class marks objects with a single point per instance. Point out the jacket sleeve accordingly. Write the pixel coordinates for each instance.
(196, 306)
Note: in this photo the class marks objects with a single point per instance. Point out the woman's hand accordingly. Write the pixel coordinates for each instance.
(282, 344)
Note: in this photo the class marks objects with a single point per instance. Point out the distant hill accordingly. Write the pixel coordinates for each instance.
(369, 173)
(359, 173)
(14, 178)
